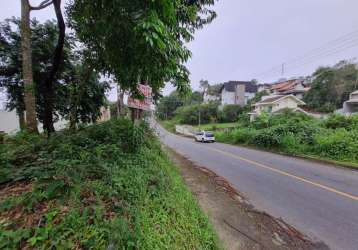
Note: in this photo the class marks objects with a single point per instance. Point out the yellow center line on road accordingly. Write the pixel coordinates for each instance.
(350, 196)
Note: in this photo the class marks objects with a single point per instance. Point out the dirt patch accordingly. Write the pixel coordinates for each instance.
(238, 224)
(15, 189)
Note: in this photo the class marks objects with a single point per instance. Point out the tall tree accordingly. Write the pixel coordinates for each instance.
(57, 59)
(78, 92)
(29, 96)
(137, 40)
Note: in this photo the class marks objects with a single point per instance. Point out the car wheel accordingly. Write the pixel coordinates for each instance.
(202, 140)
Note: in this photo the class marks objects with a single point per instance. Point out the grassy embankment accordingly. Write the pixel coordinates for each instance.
(334, 140)
(109, 186)
(217, 126)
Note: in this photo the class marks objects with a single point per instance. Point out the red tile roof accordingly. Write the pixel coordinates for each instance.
(284, 86)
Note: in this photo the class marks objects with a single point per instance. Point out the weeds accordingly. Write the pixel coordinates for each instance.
(107, 186)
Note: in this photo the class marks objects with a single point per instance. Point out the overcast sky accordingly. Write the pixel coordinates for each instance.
(250, 37)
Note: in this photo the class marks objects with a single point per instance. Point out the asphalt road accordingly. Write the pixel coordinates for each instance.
(319, 200)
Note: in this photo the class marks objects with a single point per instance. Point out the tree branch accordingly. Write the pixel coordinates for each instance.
(42, 5)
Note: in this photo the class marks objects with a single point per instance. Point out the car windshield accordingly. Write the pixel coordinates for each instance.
(209, 134)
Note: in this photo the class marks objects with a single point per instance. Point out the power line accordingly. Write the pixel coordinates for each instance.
(335, 46)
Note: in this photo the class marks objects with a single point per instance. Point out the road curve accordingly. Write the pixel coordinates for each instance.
(319, 200)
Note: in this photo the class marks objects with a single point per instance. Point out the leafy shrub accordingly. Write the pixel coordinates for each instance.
(230, 113)
(292, 144)
(267, 138)
(244, 135)
(288, 116)
(107, 186)
(338, 144)
(190, 114)
(335, 121)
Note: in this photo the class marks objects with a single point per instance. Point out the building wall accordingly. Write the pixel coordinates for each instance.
(208, 98)
(240, 95)
(286, 103)
(249, 96)
(227, 98)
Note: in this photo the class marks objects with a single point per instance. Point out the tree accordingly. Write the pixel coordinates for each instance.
(331, 86)
(136, 40)
(29, 96)
(57, 60)
(167, 105)
(78, 92)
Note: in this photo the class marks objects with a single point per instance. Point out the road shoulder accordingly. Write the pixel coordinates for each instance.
(238, 224)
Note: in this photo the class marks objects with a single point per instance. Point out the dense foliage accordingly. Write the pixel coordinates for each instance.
(136, 40)
(331, 86)
(198, 113)
(69, 91)
(335, 138)
(108, 186)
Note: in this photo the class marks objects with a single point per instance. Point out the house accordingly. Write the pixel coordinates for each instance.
(264, 87)
(351, 106)
(275, 104)
(209, 97)
(237, 92)
(211, 93)
(294, 87)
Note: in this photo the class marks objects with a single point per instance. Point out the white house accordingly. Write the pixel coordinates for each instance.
(275, 104)
(237, 92)
(351, 106)
(207, 97)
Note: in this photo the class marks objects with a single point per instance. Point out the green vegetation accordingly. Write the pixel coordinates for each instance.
(331, 86)
(297, 134)
(218, 126)
(108, 186)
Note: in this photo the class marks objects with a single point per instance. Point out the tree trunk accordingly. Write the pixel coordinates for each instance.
(77, 93)
(120, 102)
(22, 123)
(29, 95)
(49, 85)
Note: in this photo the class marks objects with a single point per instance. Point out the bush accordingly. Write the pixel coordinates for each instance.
(244, 135)
(107, 186)
(267, 138)
(337, 144)
(335, 121)
(190, 114)
(230, 113)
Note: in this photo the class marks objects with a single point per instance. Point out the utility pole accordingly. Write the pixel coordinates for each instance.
(199, 117)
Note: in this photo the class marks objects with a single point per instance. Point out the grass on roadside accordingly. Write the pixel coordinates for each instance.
(168, 125)
(217, 126)
(108, 186)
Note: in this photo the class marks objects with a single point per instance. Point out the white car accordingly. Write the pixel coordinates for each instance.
(205, 136)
